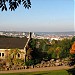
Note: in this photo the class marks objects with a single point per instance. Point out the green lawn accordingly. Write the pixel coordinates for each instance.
(61, 72)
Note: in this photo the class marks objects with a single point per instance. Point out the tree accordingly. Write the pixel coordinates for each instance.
(73, 39)
(58, 51)
(65, 45)
(36, 55)
(13, 58)
(13, 4)
(28, 55)
(72, 50)
(32, 43)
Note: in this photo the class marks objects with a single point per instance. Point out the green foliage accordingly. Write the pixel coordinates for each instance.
(40, 44)
(39, 50)
(28, 54)
(36, 55)
(32, 44)
(29, 62)
(73, 55)
(46, 56)
(53, 55)
(73, 39)
(60, 48)
(46, 51)
(13, 57)
(65, 46)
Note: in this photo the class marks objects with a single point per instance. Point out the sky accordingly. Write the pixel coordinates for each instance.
(43, 16)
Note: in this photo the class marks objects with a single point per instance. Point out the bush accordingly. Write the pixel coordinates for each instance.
(29, 62)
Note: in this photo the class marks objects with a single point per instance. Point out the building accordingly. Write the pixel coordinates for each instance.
(9, 43)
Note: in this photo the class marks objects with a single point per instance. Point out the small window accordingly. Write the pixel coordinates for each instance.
(18, 55)
(2, 54)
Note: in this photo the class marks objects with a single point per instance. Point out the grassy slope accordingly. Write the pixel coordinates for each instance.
(61, 72)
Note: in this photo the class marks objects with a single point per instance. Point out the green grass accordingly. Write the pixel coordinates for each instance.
(60, 72)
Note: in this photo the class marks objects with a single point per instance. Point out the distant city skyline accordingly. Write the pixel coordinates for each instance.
(43, 16)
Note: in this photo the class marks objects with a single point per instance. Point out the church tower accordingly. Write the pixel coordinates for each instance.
(26, 46)
(30, 35)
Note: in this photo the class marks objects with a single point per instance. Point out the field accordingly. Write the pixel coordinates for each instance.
(59, 72)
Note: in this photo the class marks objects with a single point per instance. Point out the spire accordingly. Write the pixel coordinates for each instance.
(30, 35)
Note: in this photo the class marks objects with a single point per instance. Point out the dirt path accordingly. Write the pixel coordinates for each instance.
(37, 69)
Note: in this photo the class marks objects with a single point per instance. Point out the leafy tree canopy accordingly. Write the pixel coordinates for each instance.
(13, 4)
(73, 39)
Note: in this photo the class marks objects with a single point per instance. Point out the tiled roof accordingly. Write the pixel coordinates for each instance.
(11, 43)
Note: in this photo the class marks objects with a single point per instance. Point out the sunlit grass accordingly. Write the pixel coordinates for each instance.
(59, 72)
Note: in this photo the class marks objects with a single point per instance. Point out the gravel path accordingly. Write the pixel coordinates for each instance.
(38, 69)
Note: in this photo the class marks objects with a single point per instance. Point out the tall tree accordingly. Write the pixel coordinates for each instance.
(72, 50)
(58, 51)
(13, 4)
(73, 39)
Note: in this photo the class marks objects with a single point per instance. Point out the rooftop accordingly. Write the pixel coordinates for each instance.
(12, 42)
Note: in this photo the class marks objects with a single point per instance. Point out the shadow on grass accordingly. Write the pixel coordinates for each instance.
(71, 71)
(41, 74)
(37, 74)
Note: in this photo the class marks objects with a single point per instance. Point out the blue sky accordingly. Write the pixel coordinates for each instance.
(43, 16)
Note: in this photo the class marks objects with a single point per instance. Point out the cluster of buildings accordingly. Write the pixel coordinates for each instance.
(14, 34)
(52, 37)
(36, 36)
(6, 44)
